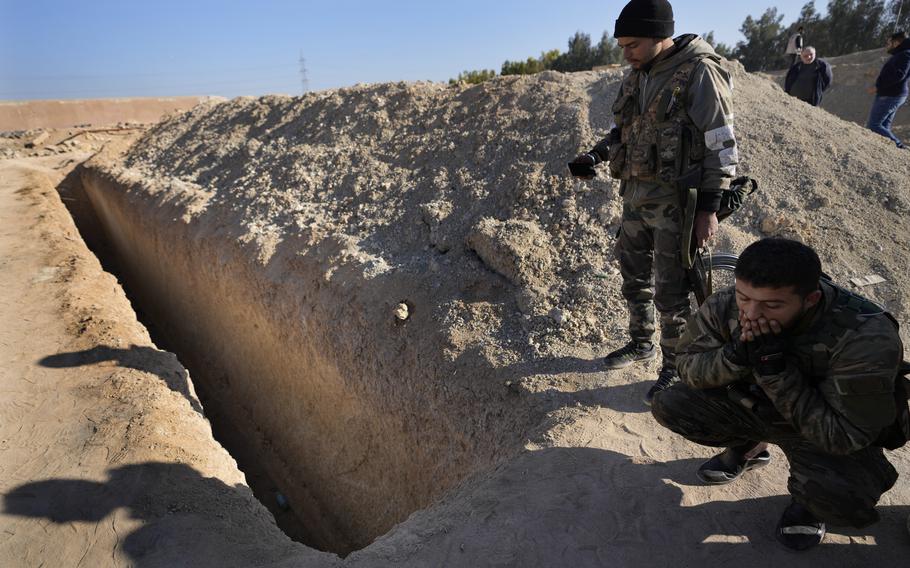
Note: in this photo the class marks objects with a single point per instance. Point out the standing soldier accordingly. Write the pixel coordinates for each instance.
(674, 149)
(789, 358)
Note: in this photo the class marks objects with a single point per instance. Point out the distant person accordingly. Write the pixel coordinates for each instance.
(794, 47)
(808, 79)
(677, 82)
(787, 357)
(891, 88)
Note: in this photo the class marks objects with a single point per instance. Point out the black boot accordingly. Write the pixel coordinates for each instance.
(798, 529)
(731, 464)
(630, 353)
(665, 379)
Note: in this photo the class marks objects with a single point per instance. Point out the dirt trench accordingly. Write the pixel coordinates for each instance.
(317, 387)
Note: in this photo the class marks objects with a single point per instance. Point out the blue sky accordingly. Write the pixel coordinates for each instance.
(106, 48)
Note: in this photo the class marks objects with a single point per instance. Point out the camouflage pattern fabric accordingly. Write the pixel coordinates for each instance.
(838, 387)
(825, 410)
(840, 489)
(651, 141)
(652, 271)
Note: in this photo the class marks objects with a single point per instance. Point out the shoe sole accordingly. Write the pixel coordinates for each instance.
(778, 536)
(623, 365)
(754, 463)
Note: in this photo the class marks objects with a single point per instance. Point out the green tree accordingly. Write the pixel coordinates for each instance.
(607, 51)
(531, 65)
(547, 58)
(897, 17)
(853, 25)
(473, 77)
(579, 57)
(721, 49)
(763, 47)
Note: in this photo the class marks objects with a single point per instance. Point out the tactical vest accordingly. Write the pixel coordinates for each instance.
(657, 144)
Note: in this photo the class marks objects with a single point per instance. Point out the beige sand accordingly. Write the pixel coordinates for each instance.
(28, 115)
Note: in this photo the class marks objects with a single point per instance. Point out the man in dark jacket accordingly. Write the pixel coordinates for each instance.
(789, 358)
(891, 88)
(808, 79)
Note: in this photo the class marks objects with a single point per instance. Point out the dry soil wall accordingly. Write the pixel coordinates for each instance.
(347, 405)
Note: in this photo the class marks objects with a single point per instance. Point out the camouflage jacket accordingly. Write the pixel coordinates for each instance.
(837, 390)
(685, 90)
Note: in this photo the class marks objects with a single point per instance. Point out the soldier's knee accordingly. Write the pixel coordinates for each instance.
(667, 406)
(673, 305)
(846, 506)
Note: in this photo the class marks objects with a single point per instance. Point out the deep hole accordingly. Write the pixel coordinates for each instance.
(223, 429)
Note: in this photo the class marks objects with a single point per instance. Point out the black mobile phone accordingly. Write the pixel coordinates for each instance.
(582, 170)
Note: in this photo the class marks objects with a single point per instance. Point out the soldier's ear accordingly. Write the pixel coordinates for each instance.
(813, 298)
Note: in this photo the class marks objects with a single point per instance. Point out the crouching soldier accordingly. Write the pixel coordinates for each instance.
(789, 358)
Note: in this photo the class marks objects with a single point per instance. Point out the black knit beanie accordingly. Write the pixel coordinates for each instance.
(645, 18)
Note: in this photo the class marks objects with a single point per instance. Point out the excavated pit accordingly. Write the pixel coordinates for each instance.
(344, 420)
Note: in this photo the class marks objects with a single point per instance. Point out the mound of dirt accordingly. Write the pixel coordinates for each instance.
(461, 183)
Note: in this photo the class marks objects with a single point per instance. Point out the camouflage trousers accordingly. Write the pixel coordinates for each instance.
(648, 250)
(838, 489)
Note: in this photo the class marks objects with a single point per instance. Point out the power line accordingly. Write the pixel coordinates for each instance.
(304, 80)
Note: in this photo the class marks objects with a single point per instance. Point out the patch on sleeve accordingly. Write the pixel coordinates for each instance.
(728, 156)
(716, 139)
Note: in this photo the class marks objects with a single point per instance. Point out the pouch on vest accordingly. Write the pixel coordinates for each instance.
(667, 160)
(617, 160)
(624, 107)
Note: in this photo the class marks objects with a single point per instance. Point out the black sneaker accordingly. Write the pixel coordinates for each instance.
(730, 465)
(665, 379)
(630, 353)
(798, 529)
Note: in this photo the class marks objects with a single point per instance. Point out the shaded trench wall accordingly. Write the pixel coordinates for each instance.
(356, 416)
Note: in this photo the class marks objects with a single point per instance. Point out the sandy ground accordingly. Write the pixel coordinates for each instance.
(104, 455)
(26, 115)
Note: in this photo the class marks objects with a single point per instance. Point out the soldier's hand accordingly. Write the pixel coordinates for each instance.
(705, 227)
(585, 160)
(751, 329)
(736, 351)
(767, 355)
